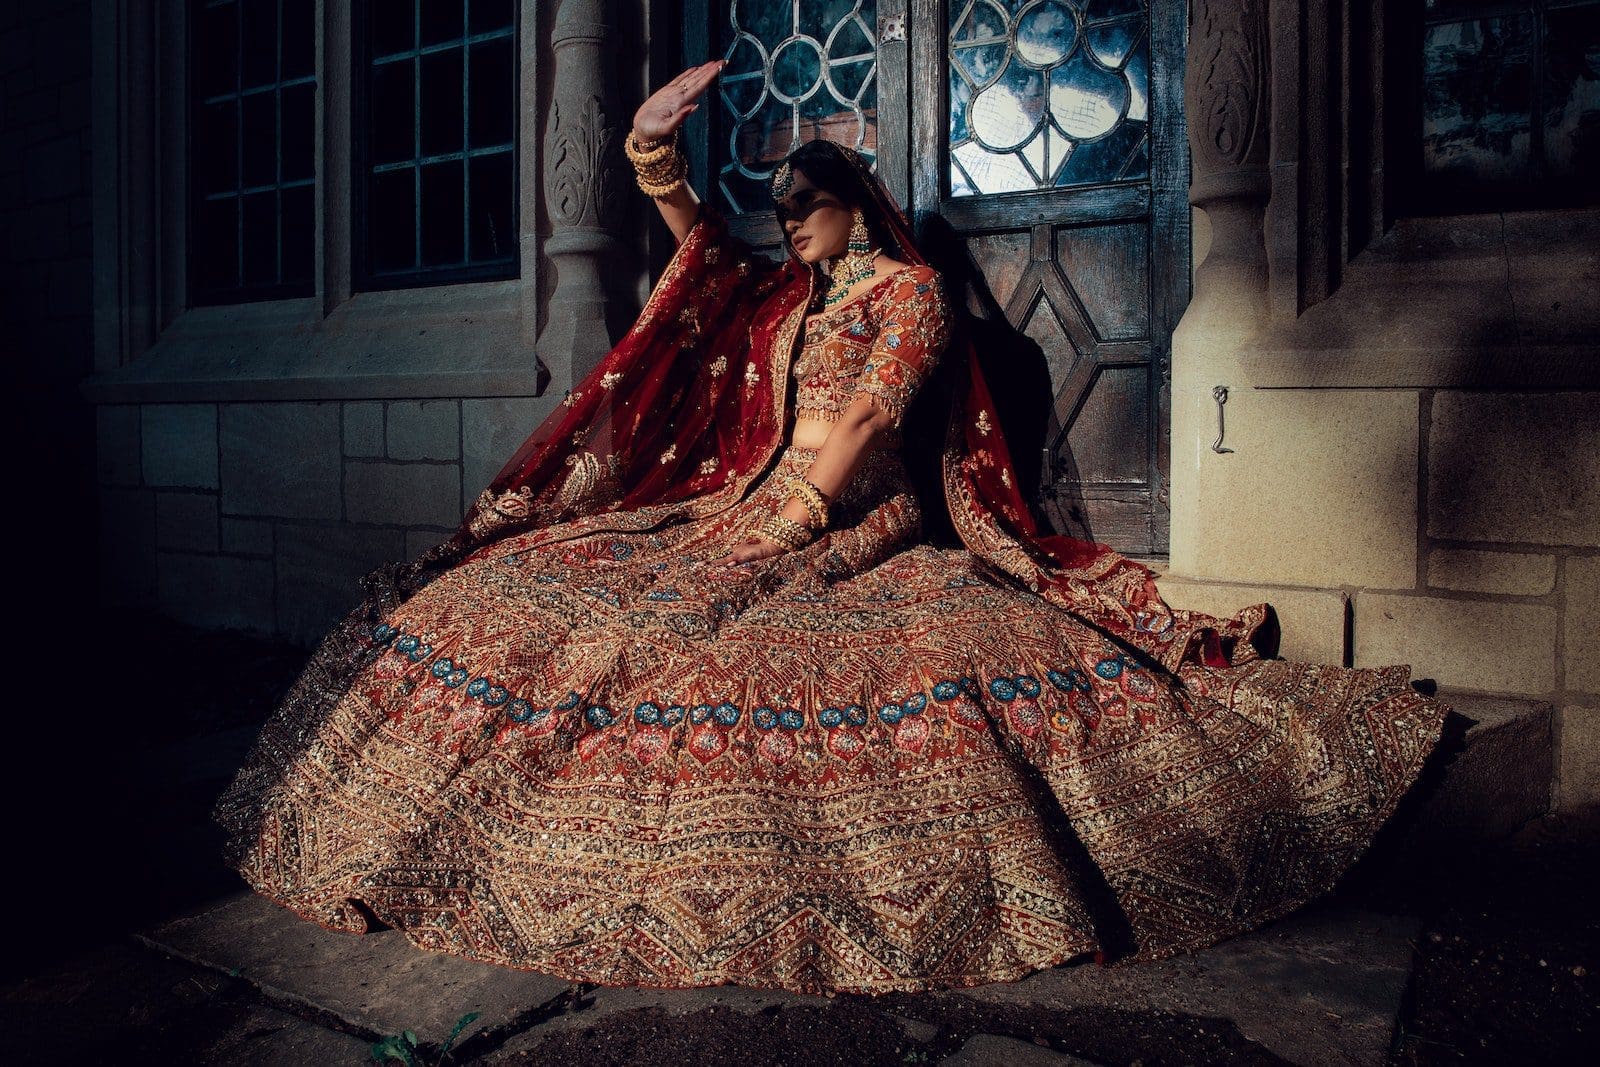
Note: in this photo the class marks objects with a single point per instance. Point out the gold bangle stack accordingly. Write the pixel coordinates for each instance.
(659, 166)
(816, 503)
(784, 531)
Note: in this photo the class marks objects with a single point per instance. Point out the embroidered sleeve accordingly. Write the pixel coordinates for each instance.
(915, 325)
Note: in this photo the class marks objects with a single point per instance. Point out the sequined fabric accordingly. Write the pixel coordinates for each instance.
(840, 768)
(882, 345)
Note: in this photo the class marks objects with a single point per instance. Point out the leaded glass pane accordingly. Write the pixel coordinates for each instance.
(1477, 91)
(252, 149)
(1510, 102)
(797, 70)
(1572, 94)
(440, 99)
(1047, 94)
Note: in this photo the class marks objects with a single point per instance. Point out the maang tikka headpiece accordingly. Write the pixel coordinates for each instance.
(782, 180)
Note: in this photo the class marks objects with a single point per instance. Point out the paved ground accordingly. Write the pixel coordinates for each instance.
(141, 948)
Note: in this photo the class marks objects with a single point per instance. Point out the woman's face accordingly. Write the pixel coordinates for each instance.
(816, 222)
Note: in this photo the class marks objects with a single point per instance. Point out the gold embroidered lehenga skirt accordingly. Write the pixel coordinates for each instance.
(868, 765)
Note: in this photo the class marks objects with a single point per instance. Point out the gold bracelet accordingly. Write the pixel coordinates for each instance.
(763, 534)
(639, 153)
(816, 503)
(783, 531)
(665, 185)
(659, 171)
(779, 523)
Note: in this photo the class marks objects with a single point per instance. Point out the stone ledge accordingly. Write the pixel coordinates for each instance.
(1492, 301)
(1498, 780)
(1510, 367)
(380, 345)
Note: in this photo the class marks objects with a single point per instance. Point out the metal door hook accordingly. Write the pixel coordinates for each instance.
(1220, 395)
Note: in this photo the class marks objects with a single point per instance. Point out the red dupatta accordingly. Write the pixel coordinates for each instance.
(687, 410)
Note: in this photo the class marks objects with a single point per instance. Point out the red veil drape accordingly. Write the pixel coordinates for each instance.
(687, 410)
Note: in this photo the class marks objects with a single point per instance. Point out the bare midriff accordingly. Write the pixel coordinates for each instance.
(810, 433)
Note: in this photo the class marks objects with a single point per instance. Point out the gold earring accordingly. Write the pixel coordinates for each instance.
(856, 263)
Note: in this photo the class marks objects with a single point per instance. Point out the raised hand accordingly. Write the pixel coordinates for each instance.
(669, 105)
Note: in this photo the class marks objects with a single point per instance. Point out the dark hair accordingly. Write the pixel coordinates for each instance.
(827, 167)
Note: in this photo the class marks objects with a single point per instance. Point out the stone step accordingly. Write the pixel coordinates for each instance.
(1493, 775)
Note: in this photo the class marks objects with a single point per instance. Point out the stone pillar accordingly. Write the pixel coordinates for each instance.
(581, 146)
(1225, 99)
(1226, 105)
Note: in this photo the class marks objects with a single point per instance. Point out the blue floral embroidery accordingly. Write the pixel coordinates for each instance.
(1109, 668)
(663, 594)
(858, 329)
(892, 341)
(727, 714)
(621, 550)
(1072, 679)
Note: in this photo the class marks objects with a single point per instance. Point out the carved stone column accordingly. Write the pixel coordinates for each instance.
(1225, 100)
(1225, 90)
(581, 147)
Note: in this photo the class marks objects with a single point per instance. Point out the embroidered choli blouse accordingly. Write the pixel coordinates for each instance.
(882, 344)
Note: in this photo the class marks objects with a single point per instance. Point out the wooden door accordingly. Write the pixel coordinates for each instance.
(1039, 147)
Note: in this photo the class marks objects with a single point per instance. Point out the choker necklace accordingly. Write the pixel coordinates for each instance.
(855, 265)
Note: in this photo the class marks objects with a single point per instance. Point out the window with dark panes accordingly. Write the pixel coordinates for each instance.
(1509, 104)
(436, 159)
(252, 149)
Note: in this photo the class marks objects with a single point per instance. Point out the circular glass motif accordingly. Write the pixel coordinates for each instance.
(1006, 113)
(1086, 100)
(1046, 33)
(796, 69)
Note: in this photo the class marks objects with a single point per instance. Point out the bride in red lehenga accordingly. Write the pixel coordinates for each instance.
(688, 698)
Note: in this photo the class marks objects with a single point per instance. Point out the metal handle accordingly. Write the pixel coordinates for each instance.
(1220, 395)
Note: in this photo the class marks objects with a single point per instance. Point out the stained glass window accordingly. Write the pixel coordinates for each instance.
(797, 70)
(1510, 104)
(252, 160)
(1047, 94)
(438, 159)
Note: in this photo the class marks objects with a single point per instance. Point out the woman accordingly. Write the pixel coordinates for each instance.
(688, 699)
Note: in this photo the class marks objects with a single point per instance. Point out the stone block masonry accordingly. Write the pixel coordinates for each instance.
(263, 515)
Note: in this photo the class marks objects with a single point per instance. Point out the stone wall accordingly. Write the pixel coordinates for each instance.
(45, 281)
(1415, 469)
(263, 515)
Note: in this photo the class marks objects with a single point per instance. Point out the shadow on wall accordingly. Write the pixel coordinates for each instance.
(1018, 376)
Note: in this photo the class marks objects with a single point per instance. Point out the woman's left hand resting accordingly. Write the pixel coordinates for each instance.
(749, 550)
